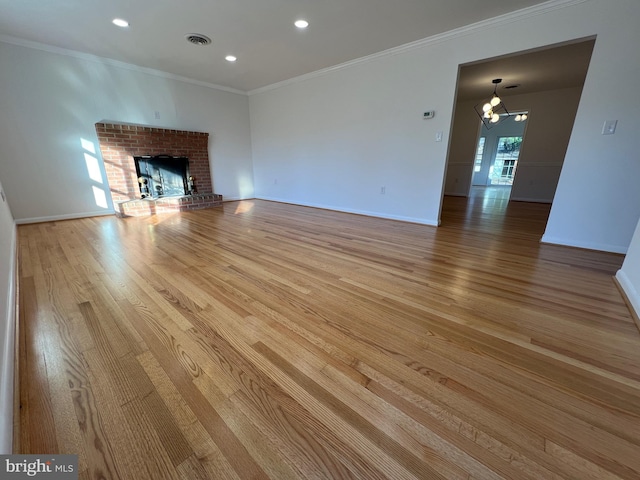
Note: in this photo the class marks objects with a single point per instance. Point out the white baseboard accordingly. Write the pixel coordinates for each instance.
(630, 291)
(421, 221)
(586, 245)
(70, 216)
(7, 349)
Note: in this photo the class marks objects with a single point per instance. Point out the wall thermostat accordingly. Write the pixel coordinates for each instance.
(429, 114)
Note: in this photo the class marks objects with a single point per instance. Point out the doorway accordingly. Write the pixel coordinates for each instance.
(545, 83)
(505, 161)
(497, 153)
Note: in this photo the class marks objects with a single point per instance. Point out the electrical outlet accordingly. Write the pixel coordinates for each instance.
(157, 115)
(383, 190)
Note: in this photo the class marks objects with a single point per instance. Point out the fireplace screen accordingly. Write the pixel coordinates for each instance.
(162, 176)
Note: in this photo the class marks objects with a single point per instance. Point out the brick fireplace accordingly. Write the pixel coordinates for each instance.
(120, 143)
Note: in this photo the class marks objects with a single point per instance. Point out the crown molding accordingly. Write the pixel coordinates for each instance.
(494, 22)
(113, 63)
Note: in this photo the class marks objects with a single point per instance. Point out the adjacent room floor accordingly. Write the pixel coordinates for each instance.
(264, 340)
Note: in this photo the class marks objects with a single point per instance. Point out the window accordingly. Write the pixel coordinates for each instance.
(508, 167)
(479, 152)
(504, 167)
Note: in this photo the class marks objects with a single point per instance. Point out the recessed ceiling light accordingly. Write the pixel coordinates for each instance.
(301, 24)
(120, 22)
(230, 58)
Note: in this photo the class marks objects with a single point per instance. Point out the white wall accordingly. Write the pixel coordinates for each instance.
(597, 204)
(333, 139)
(7, 321)
(548, 129)
(629, 275)
(50, 101)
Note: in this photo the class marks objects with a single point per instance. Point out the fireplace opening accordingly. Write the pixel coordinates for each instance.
(162, 176)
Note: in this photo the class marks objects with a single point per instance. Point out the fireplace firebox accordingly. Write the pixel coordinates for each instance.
(162, 176)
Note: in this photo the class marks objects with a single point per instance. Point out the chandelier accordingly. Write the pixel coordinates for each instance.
(491, 110)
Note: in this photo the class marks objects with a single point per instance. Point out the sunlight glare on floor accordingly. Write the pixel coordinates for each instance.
(244, 207)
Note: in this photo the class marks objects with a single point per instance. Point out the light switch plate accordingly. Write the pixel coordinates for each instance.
(609, 127)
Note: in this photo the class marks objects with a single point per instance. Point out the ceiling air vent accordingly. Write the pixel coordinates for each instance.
(197, 39)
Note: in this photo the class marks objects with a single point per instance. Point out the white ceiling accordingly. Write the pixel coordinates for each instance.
(259, 32)
(551, 68)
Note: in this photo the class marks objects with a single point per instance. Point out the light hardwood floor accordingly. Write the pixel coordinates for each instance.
(263, 340)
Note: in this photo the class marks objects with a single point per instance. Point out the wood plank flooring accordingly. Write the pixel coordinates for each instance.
(263, 340)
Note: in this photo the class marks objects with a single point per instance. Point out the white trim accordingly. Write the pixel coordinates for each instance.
(7, 356)
(586, 245)
(630, 291)
(114, 63)
(421, 221)
(490, 23)
(70, 216)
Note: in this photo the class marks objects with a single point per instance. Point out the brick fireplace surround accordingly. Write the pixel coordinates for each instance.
(120, 143)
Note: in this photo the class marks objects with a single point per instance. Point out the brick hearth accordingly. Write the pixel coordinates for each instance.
(120, 143)
(149, 206)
